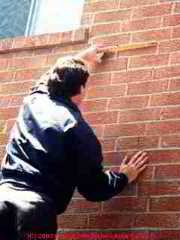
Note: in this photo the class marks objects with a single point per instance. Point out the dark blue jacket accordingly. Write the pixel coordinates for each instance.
(53, 150)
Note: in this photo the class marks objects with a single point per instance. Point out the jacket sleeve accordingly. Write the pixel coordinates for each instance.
(93, 182)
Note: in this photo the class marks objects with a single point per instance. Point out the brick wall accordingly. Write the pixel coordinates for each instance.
(132, 102)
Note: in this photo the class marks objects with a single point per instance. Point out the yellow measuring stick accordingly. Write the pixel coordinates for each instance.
(120, 48)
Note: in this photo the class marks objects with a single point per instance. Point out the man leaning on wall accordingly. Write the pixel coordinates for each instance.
(52, 150)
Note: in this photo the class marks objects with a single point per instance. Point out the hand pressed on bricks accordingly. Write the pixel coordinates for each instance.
(134, 166)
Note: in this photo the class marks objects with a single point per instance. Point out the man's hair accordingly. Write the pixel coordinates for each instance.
(65, 78)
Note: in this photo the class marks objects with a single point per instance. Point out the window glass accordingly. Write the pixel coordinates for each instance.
(13, 17)
(32, 17)
(56, 16)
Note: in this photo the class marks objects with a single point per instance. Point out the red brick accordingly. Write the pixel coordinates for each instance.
(79, 35)
(99, 130)
(14, 88)
(112, 65)
(164, 156)
(51, 59)
(16, 100)
(103, 29)
(167, 172)
(113, 158)
(11, 101)
(101, 117)
(82, 206)
(3, 139)
(2, 152)
(152, 35)
(151, 11)
(174, 84)
(108, 145)
(177, 7)
(165, 99)
(132, 76)
(142, 24)
(170, 113)
(60, 38)
(65, 37)
(19, 42)
(170, 141)
(23, 53)
(29, 74)
(158, 188)
(42, 51)
(137, 143)
(94, 105)
(148, 61)
(2, 126)
(167, 72)
(166, 220)
(116, 39)
(169, 234)
(147, 174)
(109, 221)
(116, 15)
(147, 87)
(10, 124)
(100, 6)
(175, 58)
(8, 113)
(165, 204)
(99, 79)
(5, 101)
(135, 3)
(169, 46)
(6, 44)
(139, 115)
(167, 127)
(106, 91)
(36, 41)
(129, 190)
(8, 55)
(79, 221)
(3, 64)
(6, 76)
(171, 20)
(65, 49)
(115, 130)
(20, 63)
(124, 204)
(87, 19)
(128, 102)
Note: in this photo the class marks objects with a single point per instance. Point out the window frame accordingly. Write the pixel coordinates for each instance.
(35, 5)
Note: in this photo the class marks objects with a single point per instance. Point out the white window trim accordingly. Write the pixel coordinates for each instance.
(35, 5)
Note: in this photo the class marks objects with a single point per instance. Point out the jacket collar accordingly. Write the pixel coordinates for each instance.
(43, 89)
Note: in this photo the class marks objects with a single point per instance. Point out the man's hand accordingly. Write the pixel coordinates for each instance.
(134, 166)
(91, 55)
